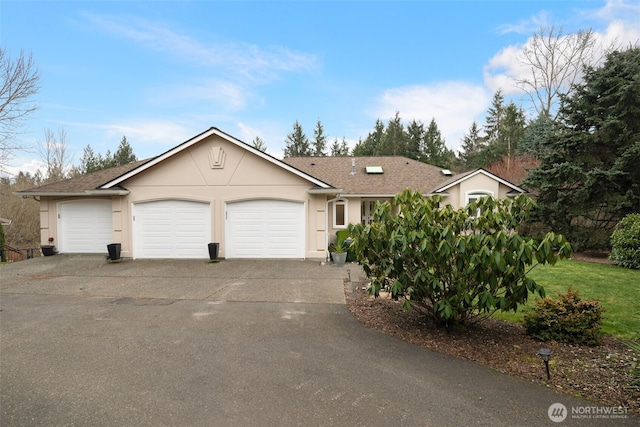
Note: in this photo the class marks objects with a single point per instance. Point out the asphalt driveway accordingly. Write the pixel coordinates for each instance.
(192, 343)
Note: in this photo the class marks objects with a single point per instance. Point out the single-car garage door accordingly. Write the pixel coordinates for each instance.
(171, 229)
(264, 229)
(84, 226)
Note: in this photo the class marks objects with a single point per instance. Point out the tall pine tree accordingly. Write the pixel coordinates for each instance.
(297, 143)
(589, 178)
(319, 141)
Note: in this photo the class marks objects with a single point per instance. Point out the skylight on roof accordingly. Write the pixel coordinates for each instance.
(446, 172)
(374, 169)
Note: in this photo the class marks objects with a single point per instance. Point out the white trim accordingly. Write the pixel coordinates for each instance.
(196, 139)
(344, 202)
(484, 172)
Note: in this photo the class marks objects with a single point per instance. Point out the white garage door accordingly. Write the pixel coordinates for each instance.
(264, 229)
(171, 229)
(84, 226)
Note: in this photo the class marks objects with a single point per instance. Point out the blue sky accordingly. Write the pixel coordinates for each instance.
(161, 72)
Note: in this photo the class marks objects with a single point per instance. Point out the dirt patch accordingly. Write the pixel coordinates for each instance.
(595, 257)
(602, 374)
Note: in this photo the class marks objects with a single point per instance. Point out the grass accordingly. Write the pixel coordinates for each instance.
(616, 288)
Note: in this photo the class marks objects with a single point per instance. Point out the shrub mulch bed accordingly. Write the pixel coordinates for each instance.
(602, 374)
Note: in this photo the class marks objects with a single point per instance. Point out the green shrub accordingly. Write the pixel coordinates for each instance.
(453, 264)
(341, 236)
(625, 242)
(568, 319)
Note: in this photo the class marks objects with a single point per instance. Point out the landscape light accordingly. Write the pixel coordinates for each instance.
(545, 354)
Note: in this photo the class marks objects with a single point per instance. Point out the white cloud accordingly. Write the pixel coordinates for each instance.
(147, 131)
(503, 69)
(247, 133)
(526, 26)
(453, 105)
(240, 58)
(26, 166)
(225, 95)
(615, 10)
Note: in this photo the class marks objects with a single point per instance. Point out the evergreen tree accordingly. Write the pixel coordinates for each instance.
(415, 136)
(536, 133)
(589, 178)
(394, 141)
(339, 149)
(319, 140)
(472, 145)
(92, 162)
(435, 152)
(504, 130)
(124, 154)
(372, 144)
(259, 144)
(89, 162)
(297, 143)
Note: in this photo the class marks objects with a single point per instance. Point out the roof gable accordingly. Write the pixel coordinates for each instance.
(457, 179)
(204, 135)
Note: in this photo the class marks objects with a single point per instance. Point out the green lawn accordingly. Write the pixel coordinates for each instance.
(616, 288)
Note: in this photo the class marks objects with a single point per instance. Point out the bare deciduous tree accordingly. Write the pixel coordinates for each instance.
(556, 62)
(19, 82)
(53, 152)
(24, 231)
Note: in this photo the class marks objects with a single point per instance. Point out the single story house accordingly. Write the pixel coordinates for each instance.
(216, 188)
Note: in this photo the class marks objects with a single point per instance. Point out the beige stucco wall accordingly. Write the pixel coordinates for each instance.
(478, 183)
(188, 175)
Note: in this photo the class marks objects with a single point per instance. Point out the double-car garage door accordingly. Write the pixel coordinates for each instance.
(253, 229)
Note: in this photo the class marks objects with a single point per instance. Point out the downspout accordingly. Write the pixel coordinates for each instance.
(326, 223)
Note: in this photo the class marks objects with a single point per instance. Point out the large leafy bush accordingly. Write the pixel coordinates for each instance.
(450, 263)
(625, 242)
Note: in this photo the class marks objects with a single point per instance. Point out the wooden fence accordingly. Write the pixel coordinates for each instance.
(13, 254)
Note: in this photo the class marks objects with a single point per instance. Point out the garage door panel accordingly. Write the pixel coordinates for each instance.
(264, 229)
(85, 226)
(172, 229)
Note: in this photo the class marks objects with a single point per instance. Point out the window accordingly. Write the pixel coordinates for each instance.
(340, 214)
(474, 196)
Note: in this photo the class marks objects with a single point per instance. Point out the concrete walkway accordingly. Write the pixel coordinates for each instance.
(234, 343)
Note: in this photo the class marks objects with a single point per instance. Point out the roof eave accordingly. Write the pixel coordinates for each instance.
(72, 194)
(324, 191)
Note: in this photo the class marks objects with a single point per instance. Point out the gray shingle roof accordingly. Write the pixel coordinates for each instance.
(398, 173)
(83, 183)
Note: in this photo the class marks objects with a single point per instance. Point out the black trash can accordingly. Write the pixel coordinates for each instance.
(114, 251)
(213, 250)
